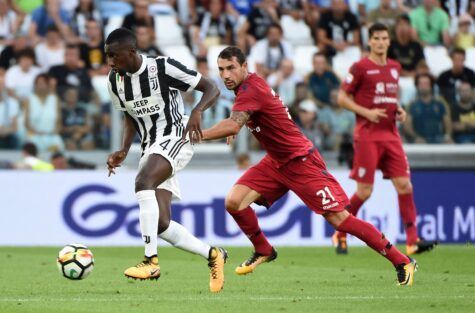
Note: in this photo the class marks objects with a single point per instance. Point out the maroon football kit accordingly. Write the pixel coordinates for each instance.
(291, 163)
(377, 145)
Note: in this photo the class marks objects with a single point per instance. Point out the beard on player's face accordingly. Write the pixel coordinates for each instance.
(233, 82)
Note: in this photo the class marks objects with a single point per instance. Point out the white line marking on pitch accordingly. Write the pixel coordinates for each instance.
(316, 298)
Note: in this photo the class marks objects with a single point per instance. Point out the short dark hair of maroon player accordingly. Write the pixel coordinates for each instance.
(233, 51)
(377, 27)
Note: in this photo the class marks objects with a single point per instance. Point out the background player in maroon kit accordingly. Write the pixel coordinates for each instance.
(371, 91)
(291, 163)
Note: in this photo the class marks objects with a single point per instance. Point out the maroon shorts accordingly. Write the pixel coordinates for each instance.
(307, 176)
(388, 156)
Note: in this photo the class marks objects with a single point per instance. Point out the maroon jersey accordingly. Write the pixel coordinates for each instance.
(270, 121)
(375, 86)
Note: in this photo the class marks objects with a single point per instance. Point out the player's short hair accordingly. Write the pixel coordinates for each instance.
(122, 36)
(30, 148)
(233, 51)
(377, 27)
(457, 51)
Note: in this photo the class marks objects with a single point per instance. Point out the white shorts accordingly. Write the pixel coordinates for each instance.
(177, 153)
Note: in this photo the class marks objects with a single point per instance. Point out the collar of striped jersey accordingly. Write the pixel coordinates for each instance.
(142, 67)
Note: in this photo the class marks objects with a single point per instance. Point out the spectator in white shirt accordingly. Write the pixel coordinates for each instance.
(270, 51)
(43, 116)
(9, 23)
(20, 77)
(9, 111)
(50, 52)
(284, 80)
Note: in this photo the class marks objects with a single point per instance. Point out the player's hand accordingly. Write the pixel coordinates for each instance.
(114, 160)
(401, 114)
(230, 139)
(374, 115)
(193, 128)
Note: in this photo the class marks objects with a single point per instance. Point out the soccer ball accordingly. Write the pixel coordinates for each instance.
(75, 261)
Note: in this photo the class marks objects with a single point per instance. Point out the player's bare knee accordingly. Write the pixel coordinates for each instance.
(403, 187)
(364, 192)
(143, 182)
(336, 218)
(232, 203)
(163, 224)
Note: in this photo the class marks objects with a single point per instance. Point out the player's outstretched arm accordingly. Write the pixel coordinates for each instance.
(373, 115)
(116, 158)
(210, 95)
(227, 127)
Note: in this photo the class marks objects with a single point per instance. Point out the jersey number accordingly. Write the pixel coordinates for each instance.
(286, 108)
(325, 194)
(164, 144)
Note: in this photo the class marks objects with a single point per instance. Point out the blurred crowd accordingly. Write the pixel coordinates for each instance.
(52, 53)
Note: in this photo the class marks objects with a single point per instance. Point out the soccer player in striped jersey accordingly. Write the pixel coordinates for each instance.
(147, 91)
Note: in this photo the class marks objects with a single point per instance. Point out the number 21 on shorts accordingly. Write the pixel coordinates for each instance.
(326, 195)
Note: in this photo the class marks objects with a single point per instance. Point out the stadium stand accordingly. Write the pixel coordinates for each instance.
(173, 22)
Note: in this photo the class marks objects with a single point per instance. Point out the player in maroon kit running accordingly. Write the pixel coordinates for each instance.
(291, 163)
(373, 85)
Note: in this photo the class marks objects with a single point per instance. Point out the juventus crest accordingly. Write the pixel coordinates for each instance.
(154, 82)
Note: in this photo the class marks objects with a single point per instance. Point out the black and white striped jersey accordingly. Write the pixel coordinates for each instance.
(151, 97)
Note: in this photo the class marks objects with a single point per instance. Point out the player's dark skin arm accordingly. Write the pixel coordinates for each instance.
(210, 95)
(227, 127)
(115, 159)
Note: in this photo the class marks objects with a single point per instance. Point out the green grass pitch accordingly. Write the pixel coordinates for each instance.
(300, 280)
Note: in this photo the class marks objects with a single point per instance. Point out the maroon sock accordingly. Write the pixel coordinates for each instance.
(356, 204)
(373, 238)
(407, 208)
(247, 221)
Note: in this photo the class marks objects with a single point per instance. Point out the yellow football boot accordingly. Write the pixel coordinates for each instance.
(405, 273)
(147, 269)
(256, 259)
(216, 260)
